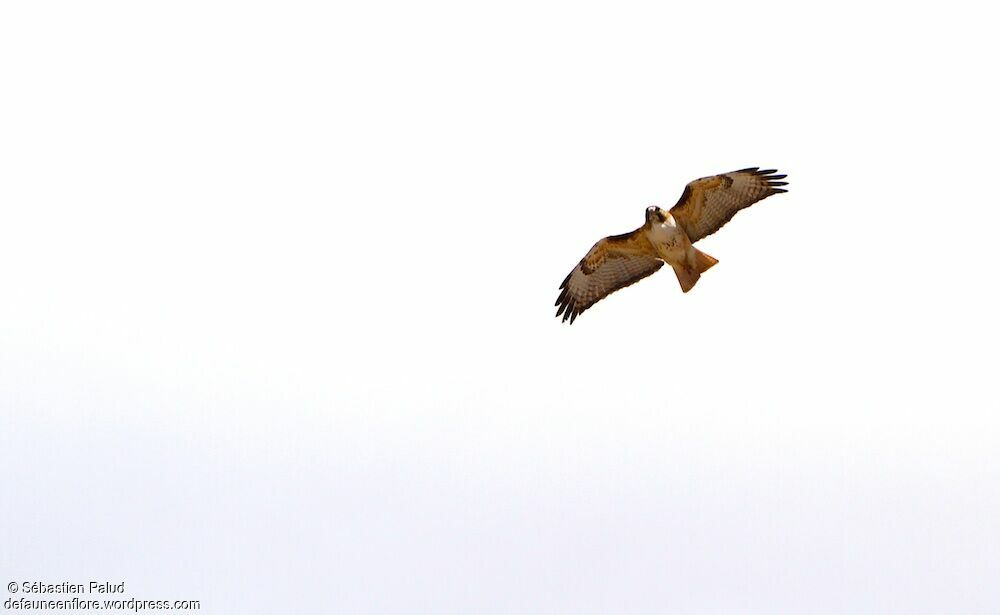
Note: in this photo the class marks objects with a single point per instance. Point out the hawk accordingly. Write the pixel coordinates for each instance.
(622, 260)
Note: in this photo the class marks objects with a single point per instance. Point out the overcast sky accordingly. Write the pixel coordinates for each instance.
(276, 307)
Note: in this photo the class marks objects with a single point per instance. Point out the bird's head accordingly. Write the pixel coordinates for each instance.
(655, 215)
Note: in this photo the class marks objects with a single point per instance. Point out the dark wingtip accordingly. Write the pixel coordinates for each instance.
(567, 309)
(772, 176)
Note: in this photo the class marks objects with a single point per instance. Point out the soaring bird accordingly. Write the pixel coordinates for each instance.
(622, 260)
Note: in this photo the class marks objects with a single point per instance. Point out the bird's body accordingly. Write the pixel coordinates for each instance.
(667, 237)
(670, 242)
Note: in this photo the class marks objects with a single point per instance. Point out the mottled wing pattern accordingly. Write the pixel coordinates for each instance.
(708, 203)
(612, 264)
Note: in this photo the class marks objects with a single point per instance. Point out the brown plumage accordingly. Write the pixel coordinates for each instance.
(622, 260)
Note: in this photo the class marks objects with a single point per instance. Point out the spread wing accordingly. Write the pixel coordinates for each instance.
(612, 264)
(708, 203)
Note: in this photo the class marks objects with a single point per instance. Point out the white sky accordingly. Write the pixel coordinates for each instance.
(277, 334)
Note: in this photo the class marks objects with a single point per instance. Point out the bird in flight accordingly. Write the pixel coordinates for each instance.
(622, 260)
